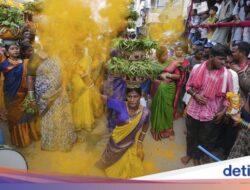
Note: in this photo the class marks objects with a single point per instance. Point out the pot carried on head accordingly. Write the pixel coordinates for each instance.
(7, 34)
(134, 81)
(134, 56)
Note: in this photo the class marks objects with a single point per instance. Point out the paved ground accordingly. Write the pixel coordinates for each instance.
(159, 156)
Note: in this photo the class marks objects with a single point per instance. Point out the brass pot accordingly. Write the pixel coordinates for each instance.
(7, 34)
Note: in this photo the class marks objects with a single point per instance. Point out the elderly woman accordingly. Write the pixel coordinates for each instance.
(123, 155)
(166, 93)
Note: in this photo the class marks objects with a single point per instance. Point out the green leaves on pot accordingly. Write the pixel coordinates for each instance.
(35, 7)
(135, 45)
(142, 68)
(133, 15)
(11, 17)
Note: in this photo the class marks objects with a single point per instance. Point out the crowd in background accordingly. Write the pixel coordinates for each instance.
(223, 11)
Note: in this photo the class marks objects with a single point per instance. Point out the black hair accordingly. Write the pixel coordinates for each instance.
(7, 46)
(195, 10)
(32, 33)
(214, 8)
(229, 52)
(198, 49)
(25, 29)
(136, 89)
(24, 47)
(243, 47)
(181, 45)
(219, 50)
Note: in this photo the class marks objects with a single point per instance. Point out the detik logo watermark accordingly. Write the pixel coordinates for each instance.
(235, 171)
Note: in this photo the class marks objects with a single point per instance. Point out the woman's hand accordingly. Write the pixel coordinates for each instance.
(166, 76)
(140, 152)
(163, 76)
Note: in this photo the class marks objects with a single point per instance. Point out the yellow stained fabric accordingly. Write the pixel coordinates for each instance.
(129, 165)
(82, 112)
(87, 104)
(121, 132)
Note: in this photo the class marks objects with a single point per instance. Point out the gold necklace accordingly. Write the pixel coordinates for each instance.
(133, 115)
(15, 62)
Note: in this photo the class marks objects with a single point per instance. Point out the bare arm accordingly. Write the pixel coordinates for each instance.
(170, 76)
(140, 152)
(143, 133)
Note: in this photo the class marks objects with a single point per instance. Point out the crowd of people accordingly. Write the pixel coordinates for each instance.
(203, 35)
(223, 11)
(194, 86)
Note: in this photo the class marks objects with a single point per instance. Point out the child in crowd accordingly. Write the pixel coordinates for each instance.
(207, 33)
(195, 20)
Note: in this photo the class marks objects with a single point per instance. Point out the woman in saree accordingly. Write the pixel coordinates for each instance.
(2, 106)
(123, 155)
(86, 100)
(166, 92)
(22, 126)
(57, 128)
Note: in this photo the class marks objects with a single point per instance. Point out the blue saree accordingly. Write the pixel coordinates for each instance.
(22, 127)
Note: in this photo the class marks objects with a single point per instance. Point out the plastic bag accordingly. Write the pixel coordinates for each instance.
(234, 103)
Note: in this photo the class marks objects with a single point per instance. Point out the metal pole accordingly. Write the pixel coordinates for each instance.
(209, 154)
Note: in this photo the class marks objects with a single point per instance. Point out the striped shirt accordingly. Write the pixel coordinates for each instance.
(207, 112)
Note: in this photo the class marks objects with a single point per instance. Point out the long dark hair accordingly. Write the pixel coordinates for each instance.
(7, 46)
